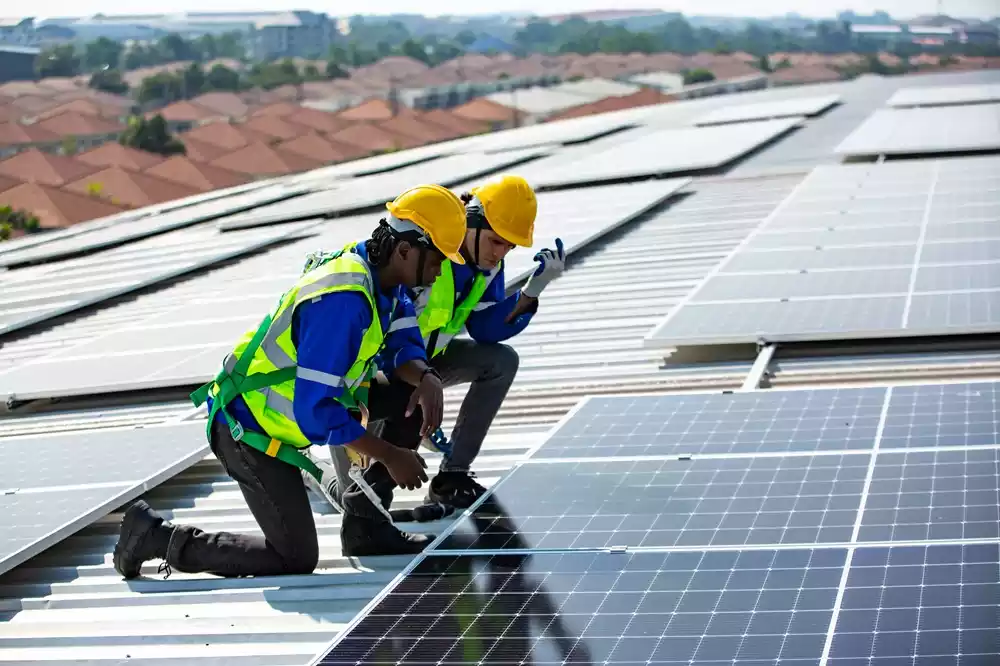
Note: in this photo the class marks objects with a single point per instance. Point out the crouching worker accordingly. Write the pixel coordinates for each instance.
(303, 378)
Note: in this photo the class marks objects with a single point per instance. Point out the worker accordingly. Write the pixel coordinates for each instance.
(470, 295)
(303, 378)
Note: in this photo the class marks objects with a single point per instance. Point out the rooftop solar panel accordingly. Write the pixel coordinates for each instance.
(943, 129)
(53, 485)
(806, 106)
(879, 250)
(352, 196)
(184, 345)
(176, 218)
(652, 153)
(945, 95)
(36, 294)
(562, 132)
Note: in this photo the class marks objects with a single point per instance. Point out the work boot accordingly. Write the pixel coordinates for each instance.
(144, 536)
(455, 488)
(365, 537)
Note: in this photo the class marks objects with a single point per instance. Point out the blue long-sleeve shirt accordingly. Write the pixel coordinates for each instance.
(327, 334)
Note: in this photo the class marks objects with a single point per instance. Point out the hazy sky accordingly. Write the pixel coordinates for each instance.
(903, 8)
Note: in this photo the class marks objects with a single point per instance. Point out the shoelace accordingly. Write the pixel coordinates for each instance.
(164, 569)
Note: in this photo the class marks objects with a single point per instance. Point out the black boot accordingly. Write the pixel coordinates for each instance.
(144, 536)
(455, 488)
(361, 536)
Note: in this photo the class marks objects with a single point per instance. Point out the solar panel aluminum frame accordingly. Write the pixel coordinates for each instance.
(118, 494)
(730, 115)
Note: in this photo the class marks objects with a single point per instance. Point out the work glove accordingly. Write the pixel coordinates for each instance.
(551, 265)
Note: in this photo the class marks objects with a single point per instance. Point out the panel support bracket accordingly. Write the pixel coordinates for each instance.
(765, 352)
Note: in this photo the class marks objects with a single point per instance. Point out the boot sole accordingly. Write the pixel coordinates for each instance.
(129, 539)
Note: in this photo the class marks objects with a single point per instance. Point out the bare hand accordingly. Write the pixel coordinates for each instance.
(406, 468)
(430, 396)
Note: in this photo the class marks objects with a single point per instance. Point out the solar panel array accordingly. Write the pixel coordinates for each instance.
(819, 526)
(945, 95)
(647, 154)
(805, 106)
(54, 485)
(39, 293)
(184, 345)
(937, 129)
(357, 194)
(562, 132)
(897, 249)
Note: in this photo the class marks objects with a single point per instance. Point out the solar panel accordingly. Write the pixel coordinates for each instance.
(54, 485)
(344, 197)
(175, 218)
(562, 132)
(184, 345)
(657, 152)
(36, 294)
(925, 130)
(894, 249)
(806, 106)
(945, 95)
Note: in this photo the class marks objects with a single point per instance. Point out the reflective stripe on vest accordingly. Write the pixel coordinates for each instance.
(272, 406)
(437, 310)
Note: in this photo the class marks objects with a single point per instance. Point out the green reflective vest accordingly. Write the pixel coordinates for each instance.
(263, 366)
(441, 318)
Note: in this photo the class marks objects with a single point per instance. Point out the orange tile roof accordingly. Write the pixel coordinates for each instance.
(14, 134)
(322, 149)
(369, 137)
(76, 124)
(130, 188)
(185, 112)
(804, 74)
(484, 110)
(9, 113)
(223, 103)
(644, 97)
(22, 88)
(259, 159)
(55, 207)
(85, 107)
(279, 109)
(447, 119)
(321, 121)
(224, 135)
(274, 127)
(201, 177)
(59, 84)
(199, 151)
(32, 105)
(7, 183)
(372, 109)
(417, 128)
(115, 154)
(34, 166)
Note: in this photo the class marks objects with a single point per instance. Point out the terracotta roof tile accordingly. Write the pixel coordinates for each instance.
(13, 134)
(447, 119)
(321, 121)
(484, 110)
(32, 105)
(75, 124)
(198, 176)
(274, 127)
(224, 135)
(7, 183)
(279, 109)
(22, 88)
(34, 166)
(84, 107)
(59, 84)
(98, 97)
(259, 159)
(322, 149)
(115, 154)
(223, 103)
(186, 112)
(413, 126)
(199, 151)
(644, 97)
(369, 137)
(9, 113)
(372, 109)
(130, 188)
(804, 74)
(56, 207)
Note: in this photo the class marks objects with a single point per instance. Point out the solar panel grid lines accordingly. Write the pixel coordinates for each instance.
(920, 247)
(806, 106)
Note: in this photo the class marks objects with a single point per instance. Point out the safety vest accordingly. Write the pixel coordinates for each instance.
(441, 319)
(263, 366)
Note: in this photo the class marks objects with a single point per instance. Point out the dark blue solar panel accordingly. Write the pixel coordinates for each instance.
(942, 415)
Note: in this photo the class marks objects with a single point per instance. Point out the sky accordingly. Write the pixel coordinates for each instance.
(901, 8)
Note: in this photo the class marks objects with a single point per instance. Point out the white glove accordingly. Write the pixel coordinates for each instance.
(552, 264)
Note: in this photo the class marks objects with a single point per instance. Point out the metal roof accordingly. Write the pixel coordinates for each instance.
(67, 605)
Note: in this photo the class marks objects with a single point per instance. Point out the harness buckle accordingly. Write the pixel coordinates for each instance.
(236, 430)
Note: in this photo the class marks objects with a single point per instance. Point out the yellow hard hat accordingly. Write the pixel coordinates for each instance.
(438, 212)
(510, 206)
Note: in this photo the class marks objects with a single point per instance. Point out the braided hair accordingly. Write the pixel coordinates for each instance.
(381, 245)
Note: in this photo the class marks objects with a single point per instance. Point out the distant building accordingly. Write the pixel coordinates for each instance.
(17, 63)
(293, 34)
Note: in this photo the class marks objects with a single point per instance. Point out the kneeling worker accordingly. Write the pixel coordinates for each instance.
(302, 379)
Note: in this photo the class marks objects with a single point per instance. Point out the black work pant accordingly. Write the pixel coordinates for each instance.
(277, 498)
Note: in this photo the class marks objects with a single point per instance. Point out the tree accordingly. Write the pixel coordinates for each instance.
(221, 77)
(69, 145)
(192, 81)
(109, 80)
(466, 38)
(335, 71)
(102, 53)
(59, 60)
(16, 220)
(152, 136)
(160, 88)
(697, 75)
(311, 73)
(6, 231)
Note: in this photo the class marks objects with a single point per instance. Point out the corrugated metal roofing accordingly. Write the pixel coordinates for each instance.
(68, 605)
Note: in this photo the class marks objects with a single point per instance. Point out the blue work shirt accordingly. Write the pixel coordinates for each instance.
(488, 321)
(327, 334)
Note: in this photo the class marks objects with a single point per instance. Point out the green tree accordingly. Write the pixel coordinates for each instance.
(108, 80)
(465, 37)
(311, 73)
(697, 75)
(102, 53)
(230, 45)
(221, 77)
(192, 81)
(69, 145)
(59, 60)
(152, 136)
(335, 71)
(160, 88)
(6, 231)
